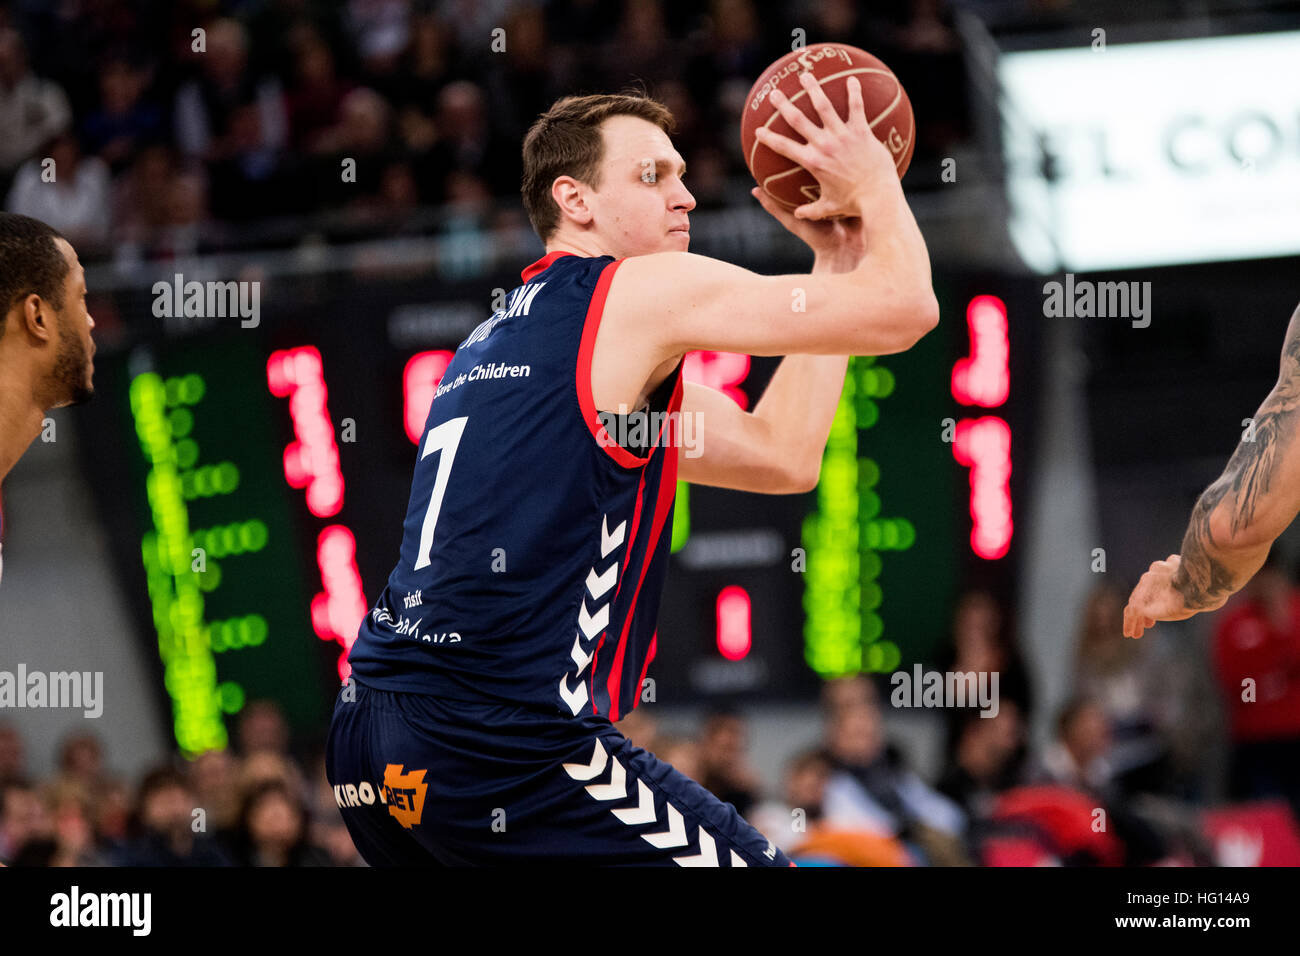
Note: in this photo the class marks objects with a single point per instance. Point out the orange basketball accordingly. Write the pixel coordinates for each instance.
(889, 113)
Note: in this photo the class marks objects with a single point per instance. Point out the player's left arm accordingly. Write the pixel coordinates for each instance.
(777, 448)
(1236, 520)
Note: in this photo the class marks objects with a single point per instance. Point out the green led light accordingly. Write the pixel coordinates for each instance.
(681, 517)
(231, 697)
(181, 422)
(189, 671)
(842, 538)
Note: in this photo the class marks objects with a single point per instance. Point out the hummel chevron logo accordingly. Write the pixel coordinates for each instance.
(736, 860)
(708, 855)
(675, 835)
(579, 771)
(580, 657)
(592, 624)
(596, 586)
(643, 812)
(616, 789)
(576, 699)
(608, 542)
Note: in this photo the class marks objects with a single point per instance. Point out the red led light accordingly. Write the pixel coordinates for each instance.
(312, 460)
(984, 378)
(420, 382)
(734, 635)
(721, 370)
(984, 446)
(337, 612)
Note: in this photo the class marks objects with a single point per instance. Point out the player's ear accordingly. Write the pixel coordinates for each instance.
(35, 314)
(570, 195)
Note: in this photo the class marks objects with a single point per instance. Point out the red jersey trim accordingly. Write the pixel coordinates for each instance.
(586, 403)
(542, 264)
(663, 508)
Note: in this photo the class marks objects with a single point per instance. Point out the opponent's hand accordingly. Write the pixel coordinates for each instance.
(842, 154)
(1155, 598)
(841, 242)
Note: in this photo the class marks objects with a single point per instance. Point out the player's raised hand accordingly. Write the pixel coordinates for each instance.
(843, 154)
(1155, 598)
(841, 241)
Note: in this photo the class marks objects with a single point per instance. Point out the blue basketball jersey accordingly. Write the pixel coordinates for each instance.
(535, 546)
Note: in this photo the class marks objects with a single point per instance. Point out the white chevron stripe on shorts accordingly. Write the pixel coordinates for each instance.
(672, 835)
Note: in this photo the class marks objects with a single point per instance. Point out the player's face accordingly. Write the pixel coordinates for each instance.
(74, 367)
(642, 205)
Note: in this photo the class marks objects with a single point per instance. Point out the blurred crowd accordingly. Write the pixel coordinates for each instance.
(1121, 779)
(150, 129)
(251, 805)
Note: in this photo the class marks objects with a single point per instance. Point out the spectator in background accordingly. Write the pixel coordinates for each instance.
(871, 788)
(32, 110)
(1079, 758)
(13, 757)
(724, 761)
(24, 820)
(235, 123)
(262, 727)
(315, 99)
(1257, 663)
(73, 193)
(1078, 754)
(216, 788)
(273, 830)
(1124, 678)
(981, 644)
(163, 829)
(989, 758)
(70, 802)
(111, 817)
(125, 121)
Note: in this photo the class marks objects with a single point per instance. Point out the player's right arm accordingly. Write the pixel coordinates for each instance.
(885, 305)
(1236, 520)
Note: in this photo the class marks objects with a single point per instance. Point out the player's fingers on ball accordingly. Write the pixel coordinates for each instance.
(796, 117)
(785, 146)
(857, 110)
(817, 96)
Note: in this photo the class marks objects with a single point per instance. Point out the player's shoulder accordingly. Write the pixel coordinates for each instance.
(665, 274)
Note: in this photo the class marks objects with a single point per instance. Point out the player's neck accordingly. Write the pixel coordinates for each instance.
(576, 245)
(20, 419)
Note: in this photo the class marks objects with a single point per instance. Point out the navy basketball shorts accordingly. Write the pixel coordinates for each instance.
(427, 781)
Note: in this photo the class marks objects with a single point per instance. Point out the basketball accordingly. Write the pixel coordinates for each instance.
(889, 113)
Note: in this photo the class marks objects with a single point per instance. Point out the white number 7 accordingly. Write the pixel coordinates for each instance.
(444, 438)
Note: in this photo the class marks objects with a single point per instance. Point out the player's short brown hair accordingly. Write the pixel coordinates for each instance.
(30, 261)
(566, 141)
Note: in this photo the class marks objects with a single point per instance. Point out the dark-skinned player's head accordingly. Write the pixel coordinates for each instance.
(45, 336)
(601, 169)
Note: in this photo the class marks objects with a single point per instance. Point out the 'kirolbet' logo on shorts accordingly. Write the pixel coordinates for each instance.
(404, 794)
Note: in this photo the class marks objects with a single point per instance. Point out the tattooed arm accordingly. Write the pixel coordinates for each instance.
(1236, 519)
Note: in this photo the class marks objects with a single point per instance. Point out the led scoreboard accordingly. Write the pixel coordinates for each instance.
(254, 483)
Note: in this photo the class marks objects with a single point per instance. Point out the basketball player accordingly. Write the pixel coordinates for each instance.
(1236, 519)
(520, 619)
(45, 345)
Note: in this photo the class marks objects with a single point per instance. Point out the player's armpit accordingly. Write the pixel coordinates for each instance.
(732, 448)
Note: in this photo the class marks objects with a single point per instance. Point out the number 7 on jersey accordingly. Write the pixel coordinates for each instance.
(444, 438)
